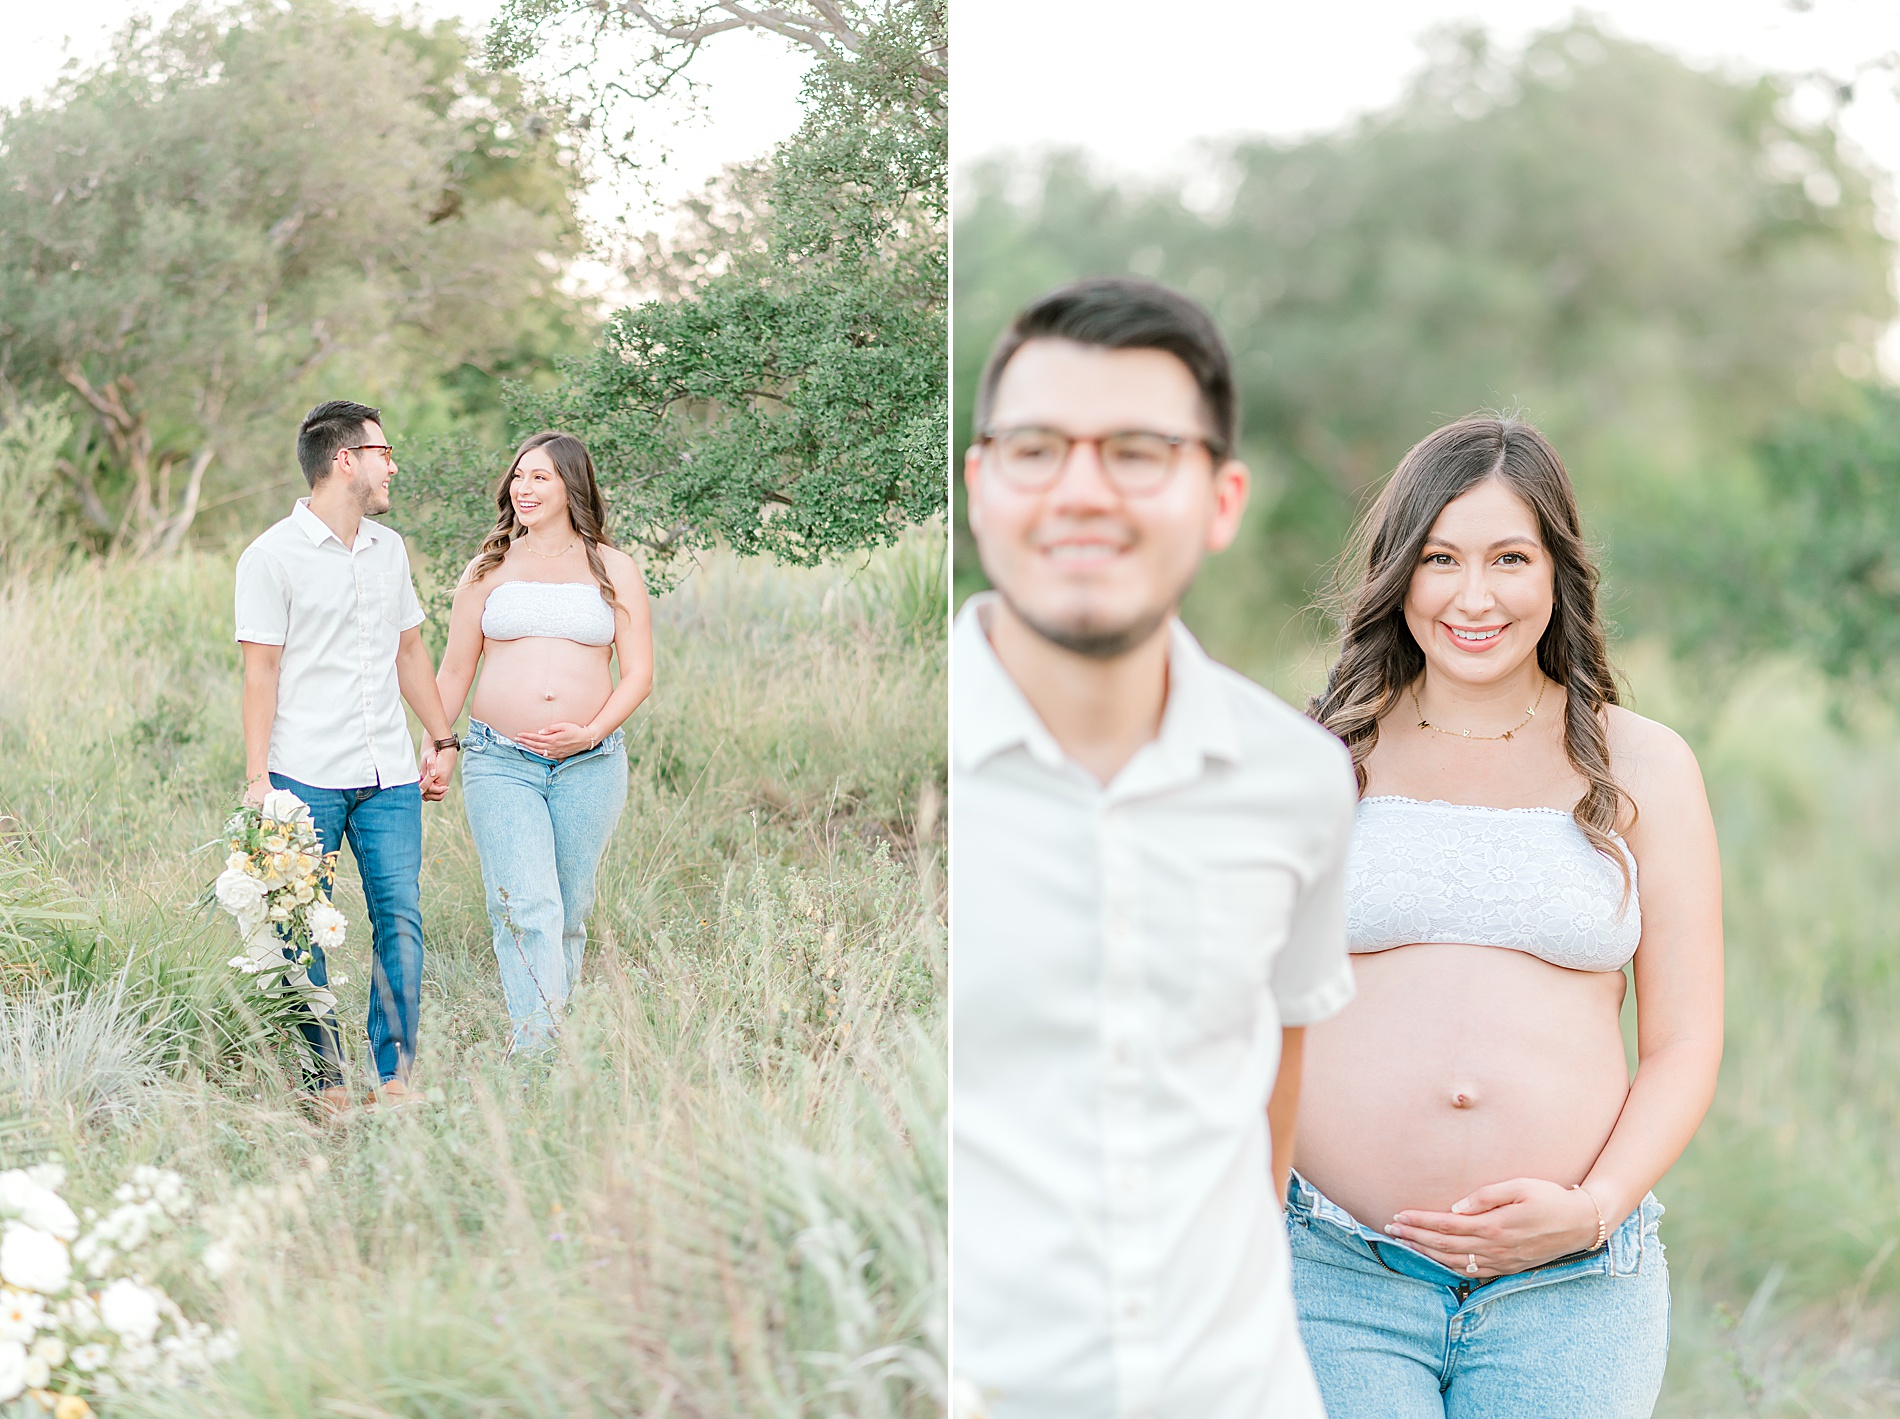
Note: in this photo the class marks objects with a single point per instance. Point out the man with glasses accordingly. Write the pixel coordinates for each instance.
(1148, 895)
(328, 619)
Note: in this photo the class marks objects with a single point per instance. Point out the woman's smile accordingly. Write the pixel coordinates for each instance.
(1474, 639)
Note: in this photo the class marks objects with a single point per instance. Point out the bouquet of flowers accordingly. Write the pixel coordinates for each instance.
(277, 876)
(79, 1319)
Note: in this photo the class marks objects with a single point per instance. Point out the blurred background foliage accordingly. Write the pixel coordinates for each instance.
(1683, 285)
(1657, 265)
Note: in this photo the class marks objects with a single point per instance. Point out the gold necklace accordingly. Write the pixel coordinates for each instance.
(548, 556)
(1543, 683)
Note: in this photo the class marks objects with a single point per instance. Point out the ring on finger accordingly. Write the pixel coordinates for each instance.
(1471, 1264)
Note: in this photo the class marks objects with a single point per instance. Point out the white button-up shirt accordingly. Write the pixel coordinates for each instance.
(339, 613)
(1125, 958)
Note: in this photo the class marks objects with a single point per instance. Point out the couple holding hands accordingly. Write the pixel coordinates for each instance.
(1289, 1078)
(329, 624)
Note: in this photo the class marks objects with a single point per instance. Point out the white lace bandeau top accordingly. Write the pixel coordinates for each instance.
(1524, 878)
(566, 610)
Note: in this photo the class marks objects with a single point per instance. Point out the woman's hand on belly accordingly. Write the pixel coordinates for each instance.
(557, 741)
(1508, 1227)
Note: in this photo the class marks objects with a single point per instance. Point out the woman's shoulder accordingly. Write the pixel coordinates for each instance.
(1649, 759)
(617, 562)
(481, 580)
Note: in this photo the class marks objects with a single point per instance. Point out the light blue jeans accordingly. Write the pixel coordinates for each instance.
(540, 826)
(1394, 1335)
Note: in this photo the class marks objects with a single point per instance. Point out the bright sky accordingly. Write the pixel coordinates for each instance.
(748, 97)
(1105, 76)
(1142, 95)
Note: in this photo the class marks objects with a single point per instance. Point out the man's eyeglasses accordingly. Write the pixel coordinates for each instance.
(1133, 460)
(382, 448)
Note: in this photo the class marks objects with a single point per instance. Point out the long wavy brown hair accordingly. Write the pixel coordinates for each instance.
(1378, 656)
(586, 509)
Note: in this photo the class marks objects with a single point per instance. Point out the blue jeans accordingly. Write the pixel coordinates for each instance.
(540, 826)
(1394, 1335)
(384, 826)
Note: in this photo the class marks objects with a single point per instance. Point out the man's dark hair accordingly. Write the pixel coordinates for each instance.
(333, 424)
(1122, 313)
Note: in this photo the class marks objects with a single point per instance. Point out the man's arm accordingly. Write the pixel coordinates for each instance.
(261, 666)
(1283, 1106)
(415, 676)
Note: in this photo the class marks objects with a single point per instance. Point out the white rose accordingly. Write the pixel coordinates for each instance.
(243, 896)
(282, 806)
(34, 1260)
(24, 1196)
(51, 1349)
(130, 1311)
(237, 862)
(12, 1369)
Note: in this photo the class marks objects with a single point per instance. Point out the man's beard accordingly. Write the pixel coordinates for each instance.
(1095, 642)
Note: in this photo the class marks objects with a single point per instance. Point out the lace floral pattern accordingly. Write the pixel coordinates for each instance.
(1525, 878)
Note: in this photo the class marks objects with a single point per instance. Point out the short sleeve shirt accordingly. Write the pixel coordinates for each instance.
(1125, 958)
(339, 613)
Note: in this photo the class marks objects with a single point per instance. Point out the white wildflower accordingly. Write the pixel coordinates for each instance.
(327, 926)
(34, 1260)
(22, 1314)
(87, 1358)
(12, 1369)
(131, 1312)
(34, 1203)
(51, 1349)
(79, 1315)
(37, 1372)
(51, 1176)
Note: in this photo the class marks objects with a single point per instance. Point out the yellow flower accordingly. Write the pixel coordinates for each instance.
(71, 1406)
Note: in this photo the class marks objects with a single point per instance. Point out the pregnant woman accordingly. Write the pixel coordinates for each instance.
(1471, 1220)
(544, 609)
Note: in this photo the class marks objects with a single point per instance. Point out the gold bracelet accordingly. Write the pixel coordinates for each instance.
(1603, 1227)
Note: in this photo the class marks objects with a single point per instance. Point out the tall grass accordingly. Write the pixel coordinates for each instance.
(723, 1195)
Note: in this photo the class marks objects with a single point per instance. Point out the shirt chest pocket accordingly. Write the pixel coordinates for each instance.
(393, 590)
(1244, 917)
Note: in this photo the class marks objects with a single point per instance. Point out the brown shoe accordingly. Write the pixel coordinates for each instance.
(392, 1094)
(334, 1101)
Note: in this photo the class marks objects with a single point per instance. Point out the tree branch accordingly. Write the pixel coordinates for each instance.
(825, 31)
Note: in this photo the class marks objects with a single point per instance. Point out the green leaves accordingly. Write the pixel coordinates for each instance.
(786, 395)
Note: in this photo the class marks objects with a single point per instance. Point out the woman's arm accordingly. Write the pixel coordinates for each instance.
(1524, 1222)
(464, 650)
(633, 643)
(1678, 968)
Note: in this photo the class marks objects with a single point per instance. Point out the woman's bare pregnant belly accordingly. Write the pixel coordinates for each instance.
(531, 683)
(1457, 1066)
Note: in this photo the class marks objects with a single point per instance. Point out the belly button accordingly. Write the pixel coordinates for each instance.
(549, 695)
(1463, 1098)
